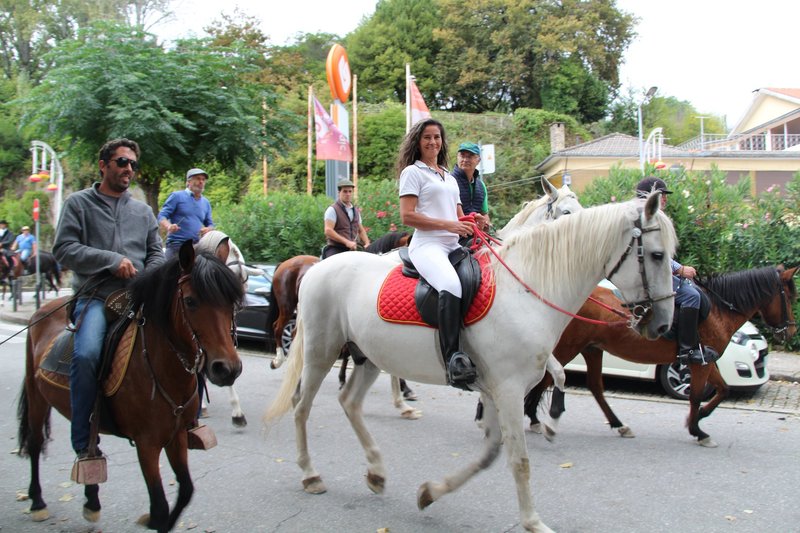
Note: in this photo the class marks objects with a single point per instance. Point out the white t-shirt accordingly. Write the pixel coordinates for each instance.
(330, 213)
(436, 197)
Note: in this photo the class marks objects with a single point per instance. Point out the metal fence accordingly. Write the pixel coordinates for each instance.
(759, 142)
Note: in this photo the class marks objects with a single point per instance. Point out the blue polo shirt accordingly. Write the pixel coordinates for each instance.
(188, 212)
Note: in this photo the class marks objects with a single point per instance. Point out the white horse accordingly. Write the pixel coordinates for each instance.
(562, 262)
(550, 206)
(210, 242)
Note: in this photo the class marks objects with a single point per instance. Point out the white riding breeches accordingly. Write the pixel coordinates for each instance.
(430, 257)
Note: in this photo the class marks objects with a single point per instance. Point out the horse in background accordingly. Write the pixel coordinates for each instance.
(49, 270)
(220, 244)
(735, 297)
(185, 319)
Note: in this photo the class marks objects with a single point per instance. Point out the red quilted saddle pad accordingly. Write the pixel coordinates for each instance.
(396, 297)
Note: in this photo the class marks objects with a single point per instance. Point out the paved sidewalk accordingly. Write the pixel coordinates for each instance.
(782, 366)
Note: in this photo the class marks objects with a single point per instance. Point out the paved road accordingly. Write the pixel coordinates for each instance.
(589, 480)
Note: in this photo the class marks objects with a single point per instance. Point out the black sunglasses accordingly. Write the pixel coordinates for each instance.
(123, 162)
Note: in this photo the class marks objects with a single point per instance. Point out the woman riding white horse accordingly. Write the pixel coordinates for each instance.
(555, 267)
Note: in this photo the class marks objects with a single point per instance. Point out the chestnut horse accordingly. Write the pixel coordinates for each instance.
(185, 322)
(735, 298)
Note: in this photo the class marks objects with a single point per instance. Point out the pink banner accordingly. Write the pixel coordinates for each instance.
(418, 108)
(331, 143)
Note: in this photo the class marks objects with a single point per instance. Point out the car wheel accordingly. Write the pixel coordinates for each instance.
(676, 380)
(287, 335)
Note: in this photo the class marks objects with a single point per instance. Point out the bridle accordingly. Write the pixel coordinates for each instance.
(190, 367)
(781, 330)
(641, 310)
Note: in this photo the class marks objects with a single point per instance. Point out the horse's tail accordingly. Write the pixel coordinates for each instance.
(283, 402)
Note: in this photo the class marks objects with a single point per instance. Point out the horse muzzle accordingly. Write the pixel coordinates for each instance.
(223, 372)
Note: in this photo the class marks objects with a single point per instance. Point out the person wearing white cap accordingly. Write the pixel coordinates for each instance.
(186, 215)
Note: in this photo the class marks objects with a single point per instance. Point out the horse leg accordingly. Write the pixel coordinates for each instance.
(431, 491)
(343, 368)
(509, 413)
(33, 414)
(309, 386)
(91, 509)
(715, 379)
(352, 401)
(177, 454)
(408, 392)
(237, 415)
(532, 401)
(406, 411)
(158, 518)
(700, 374)
(594, 381)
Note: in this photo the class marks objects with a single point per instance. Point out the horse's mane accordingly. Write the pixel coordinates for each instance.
(213, 283)
(746, 289)
(572, 244)
(386, 243)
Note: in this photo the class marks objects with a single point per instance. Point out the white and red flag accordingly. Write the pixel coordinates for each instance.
(332, 144)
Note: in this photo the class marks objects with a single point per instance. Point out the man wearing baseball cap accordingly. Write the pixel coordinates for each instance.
(343, 225)
(186, 215)
(474, 198)
(687, 298)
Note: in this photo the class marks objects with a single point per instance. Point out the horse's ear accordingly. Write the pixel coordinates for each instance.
(789, 272)
(186, 256)
(652, 205)
(223, 249)
(549, 189)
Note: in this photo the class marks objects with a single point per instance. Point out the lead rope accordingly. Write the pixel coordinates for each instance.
(482, 239)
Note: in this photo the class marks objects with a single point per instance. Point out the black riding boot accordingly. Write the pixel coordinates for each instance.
(689, 349)
(460, 370)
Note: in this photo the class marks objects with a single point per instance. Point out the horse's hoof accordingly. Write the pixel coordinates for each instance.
(707, 442)
(626, 432)
(410, 396)
(549, 433)
(204, 412)
(40, 515)
(91, 516)
(375, 483)
(424, 497)
(143, 520)
(536, 428)
(314, 485)
(239, 421)
(411, 414)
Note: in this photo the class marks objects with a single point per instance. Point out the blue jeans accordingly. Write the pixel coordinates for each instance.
(83, 369)
(686, 294)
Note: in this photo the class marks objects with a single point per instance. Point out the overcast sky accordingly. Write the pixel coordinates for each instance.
(712, 53)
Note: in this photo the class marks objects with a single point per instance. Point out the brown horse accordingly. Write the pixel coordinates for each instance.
(286, 282)
(735, 298)
(184, 323)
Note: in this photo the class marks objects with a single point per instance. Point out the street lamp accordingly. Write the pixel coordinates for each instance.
(650, 92)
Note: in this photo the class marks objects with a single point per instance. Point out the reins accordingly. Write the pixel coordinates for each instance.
(482, 239)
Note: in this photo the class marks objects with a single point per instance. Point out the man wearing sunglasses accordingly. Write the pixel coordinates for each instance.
(186, 215)
(105, 237)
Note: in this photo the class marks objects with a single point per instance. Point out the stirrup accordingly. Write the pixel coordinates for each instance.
(461, 371)
(89, 470)
(703, 355)
(202, 438)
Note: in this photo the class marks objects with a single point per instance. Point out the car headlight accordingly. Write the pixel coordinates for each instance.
(740, 337)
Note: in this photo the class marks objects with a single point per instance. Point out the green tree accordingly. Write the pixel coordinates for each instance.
(501, 54)
(184, 106)
(399, 32)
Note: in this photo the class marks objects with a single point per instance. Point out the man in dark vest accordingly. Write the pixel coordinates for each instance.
(343, 226)
(6, 240)
(474, 198)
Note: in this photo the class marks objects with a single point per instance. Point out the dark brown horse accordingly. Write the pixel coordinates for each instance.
(185, 321)
(735, 298)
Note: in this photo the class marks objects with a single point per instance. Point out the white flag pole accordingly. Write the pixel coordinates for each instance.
(408, 97)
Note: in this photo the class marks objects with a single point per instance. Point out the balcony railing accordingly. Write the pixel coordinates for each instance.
(759, 142)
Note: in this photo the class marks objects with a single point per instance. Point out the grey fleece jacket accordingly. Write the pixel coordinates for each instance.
(92, 238)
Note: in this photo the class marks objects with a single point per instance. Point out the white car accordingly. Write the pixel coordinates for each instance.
(743, 365)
